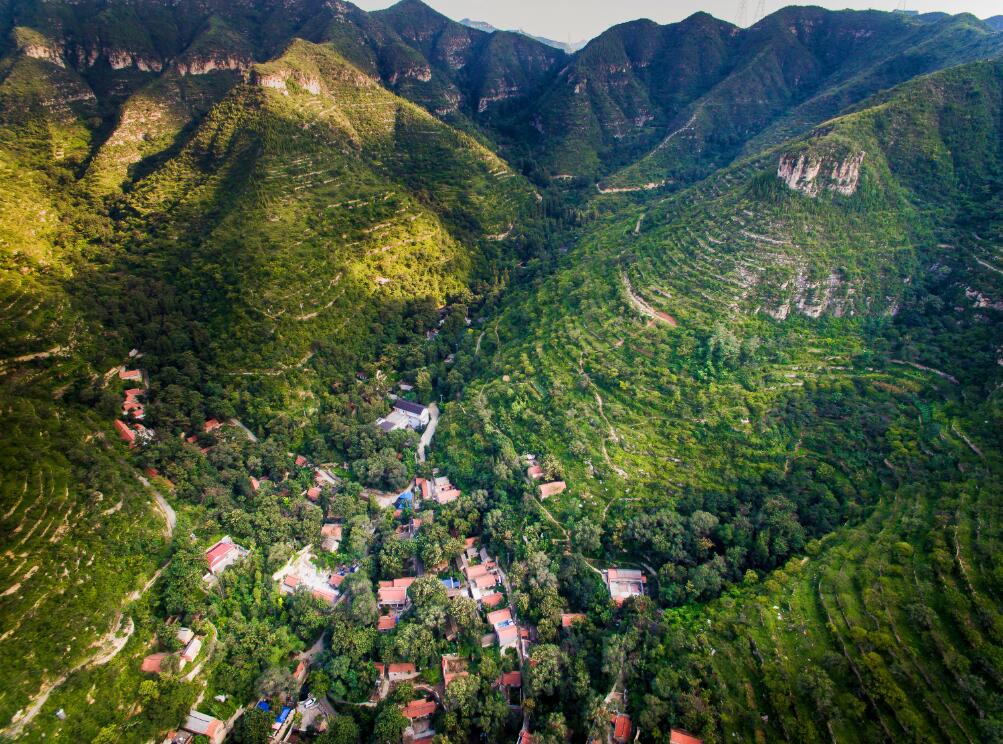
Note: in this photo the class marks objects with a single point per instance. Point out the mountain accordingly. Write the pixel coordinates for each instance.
(683, 99)
(568, 47)
(757, 359)
(995, 23)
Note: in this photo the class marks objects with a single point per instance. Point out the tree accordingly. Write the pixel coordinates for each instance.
(430, 601)
(184, 590)
(544, 671)
(586, 536)
(276, 683)
(415, 643)
(390, 724)
(360, 601)
(343, 730)
(254, 727)
(107, 735)
(466, 616)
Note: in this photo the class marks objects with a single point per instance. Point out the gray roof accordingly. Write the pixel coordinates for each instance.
(405, 405)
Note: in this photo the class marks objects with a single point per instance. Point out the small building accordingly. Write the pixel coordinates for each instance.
(401, 672)
(331, 537)
(313, 493)
(621, 728)
(131, 375)
(223, 554)
(201, 724)
(624, 583)
(535, 472)
(153, 664)
(386, 623)
(393, 594)
(511, 679)
(185, 635)
(508, 636)
(416, 414)
(128, 435)
(678, 736)
(552, 489)
(211, 425)
(300, 461)
(500, 617)
(491, 600)
(191, 651)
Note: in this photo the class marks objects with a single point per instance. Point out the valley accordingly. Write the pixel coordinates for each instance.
(476, 388)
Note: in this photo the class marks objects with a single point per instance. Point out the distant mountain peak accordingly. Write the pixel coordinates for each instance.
(569, 47)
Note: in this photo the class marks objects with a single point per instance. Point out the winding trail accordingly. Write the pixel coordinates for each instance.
(426, 436)
(643, 307)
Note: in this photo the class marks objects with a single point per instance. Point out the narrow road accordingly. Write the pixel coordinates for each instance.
(426, 436)
(643, 307)
(170, 516)
(248, 432)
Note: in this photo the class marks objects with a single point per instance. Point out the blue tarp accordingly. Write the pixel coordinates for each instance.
(451, 583)
(264, 705)
(406, 496)
(283, 715)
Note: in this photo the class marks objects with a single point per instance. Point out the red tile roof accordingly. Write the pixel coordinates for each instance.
(130, 374)
(336, 580)
(211, 425)
(678, 736)
(125, 432)
(386, 622)
(621, 727)
(419, 709)
(327, 595)
(500, 616)
(484, 582)
(313, 493)
(512, 679)
(152, 663)
(570, 618)
(381, 669)
(300, 461)
(401, 668)
(507, 635)
(481, 569)
(392, 595)
(218, 553)
(291, 580)
(331, 530)
(492, 600)
(535, 472)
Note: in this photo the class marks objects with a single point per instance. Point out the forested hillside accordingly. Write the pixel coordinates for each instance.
(732, 295)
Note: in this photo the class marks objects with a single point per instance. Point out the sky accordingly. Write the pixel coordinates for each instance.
(574, 20)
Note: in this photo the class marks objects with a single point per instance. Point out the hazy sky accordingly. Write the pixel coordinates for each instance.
(571, 20)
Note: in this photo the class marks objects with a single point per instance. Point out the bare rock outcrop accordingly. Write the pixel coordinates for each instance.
(813, 173)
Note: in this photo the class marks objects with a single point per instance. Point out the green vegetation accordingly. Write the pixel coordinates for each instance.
(775, 390)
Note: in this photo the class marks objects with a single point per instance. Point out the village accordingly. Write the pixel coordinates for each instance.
(474, 574)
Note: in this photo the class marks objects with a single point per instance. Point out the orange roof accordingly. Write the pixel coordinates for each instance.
(484, 582)
(386, 622)
(392, 595)
(552, 489)
(125, 432)
(678, 736)
(507, 635)
(512, 679)
(331, 530)
(313, 493)
(336, 580)
(401, 668)
(325, 594)
(492, 600)
(211, 425)
(381, 669)
(570, 618)
(621, 727)
(444, 497)
(291, 580)
(152, 663)
(300, 461)
(255, 483)
(535, 472)
(500, 616)
(130, 374)
(419, 709)
(481, 569)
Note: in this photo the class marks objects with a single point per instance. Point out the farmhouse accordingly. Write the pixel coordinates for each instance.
(416, 414)
(202, 725)
(223, 554)
(401, 672)
(393, 594)
(624, 583)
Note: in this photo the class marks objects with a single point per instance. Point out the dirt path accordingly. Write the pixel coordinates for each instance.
(643, 307)
(937, 372)
(552, 518)
(170, 516)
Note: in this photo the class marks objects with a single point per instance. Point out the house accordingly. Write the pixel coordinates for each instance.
(401, 672)
(624, 583)
(500, 617)
(447, 496)
(416, 414)
(127, 434)
(223, 554)
(300, 461)
(324, 594)
(331, 537)
(621, 728)
(393, 594)
(211, 425)
(570, 618)
(132, 375)
(313, 494)
(191, 651)
(552, 489)
(301, 670)
(424, 487)
(491, 600)
(535, 472)
(185, 635)
(418, 710)
(508, 636)
(511, 680)
(290, 582)
(202, 725)
(386, 623)
(153, 664)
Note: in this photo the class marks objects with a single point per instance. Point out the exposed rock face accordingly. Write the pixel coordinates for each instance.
(279, 81)
(811, 173)
(43, 52)
(198, 65)
(415, 72)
